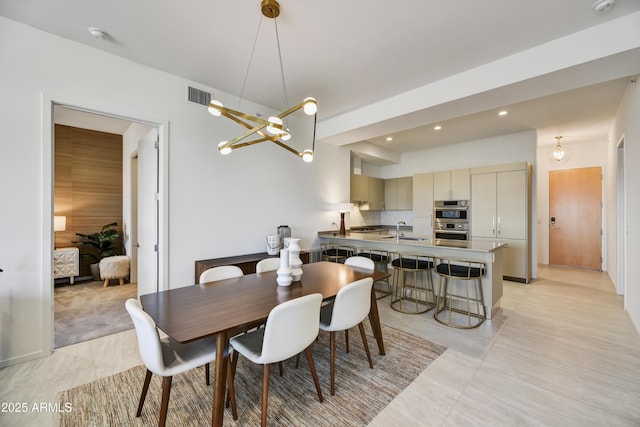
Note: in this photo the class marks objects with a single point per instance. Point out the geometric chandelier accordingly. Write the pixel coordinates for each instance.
(273, 129)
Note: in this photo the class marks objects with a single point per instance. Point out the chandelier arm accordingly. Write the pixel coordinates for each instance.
(248, 143)
(286, 147)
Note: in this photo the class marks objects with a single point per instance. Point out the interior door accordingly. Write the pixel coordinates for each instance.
(148, 210)
(575, 217)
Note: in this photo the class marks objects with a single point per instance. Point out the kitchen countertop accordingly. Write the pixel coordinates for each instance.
(388, 236)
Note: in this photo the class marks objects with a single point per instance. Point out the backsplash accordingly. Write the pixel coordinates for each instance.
(359, 218)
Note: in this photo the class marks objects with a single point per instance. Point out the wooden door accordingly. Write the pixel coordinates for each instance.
(575, 218)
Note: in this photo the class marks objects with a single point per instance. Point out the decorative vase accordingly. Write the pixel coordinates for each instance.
(284, 272)
(295, 263)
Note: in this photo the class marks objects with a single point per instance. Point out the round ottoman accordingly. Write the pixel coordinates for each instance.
(114, 267)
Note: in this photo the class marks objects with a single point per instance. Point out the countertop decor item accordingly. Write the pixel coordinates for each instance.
(273, 129)
(284, 272)
(295, 263)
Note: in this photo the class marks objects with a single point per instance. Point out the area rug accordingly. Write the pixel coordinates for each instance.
(361, 392)
(85, 311)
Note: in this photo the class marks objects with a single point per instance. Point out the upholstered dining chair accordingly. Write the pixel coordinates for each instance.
(267, 264)
(165, 356)
(350, 307)
(220, 273)
(290, 329)
(361, 262)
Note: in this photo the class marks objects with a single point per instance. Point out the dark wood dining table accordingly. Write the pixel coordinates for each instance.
(225, 307)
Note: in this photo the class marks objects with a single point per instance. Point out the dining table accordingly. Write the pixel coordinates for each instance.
(227, 307)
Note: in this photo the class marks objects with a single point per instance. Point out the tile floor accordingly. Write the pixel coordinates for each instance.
(560, 352)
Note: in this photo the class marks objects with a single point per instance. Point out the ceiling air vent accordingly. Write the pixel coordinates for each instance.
(198, 96)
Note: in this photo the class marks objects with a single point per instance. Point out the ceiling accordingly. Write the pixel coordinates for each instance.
(350, 54)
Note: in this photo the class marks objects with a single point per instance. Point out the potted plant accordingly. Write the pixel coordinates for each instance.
(101, 245)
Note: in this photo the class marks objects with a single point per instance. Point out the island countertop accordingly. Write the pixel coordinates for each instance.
(487, 252)
(409, 239)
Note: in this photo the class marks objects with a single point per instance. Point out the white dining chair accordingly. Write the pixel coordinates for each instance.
(361, 262)
(267, 264)
(350, 307)
(289, 330)
(220, 273)
(165, 356)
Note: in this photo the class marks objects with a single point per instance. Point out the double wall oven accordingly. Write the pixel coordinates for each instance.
(451, 220)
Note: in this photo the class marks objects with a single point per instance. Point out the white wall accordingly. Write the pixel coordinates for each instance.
(627, 125)
(217, 206)
(582, 155)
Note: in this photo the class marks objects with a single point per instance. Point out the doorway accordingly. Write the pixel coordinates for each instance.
(103, 321)
(575, 218)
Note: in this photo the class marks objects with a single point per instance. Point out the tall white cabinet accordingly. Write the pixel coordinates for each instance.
(423, 204)
(501, 210)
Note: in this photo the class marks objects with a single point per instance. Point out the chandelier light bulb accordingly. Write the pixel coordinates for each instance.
(223, 149)
(214, 110)
(275, 125)
(310, 106)
(307, 156)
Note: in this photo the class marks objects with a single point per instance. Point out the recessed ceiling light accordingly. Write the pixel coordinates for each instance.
(389, 138)
(438, 127)
(503, 113)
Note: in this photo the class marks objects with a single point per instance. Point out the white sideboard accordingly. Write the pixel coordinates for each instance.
(66, 263)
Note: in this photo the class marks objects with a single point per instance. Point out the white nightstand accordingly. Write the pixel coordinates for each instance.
(66, 263)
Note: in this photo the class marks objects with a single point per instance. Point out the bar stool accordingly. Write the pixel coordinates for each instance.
(412, 298)
(470, 273)
(381, 260)
(336, 253)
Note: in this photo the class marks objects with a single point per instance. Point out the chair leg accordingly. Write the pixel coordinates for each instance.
(206, 374)
(164, 405)
(332, 361)
(312, 368)
(145, 387)
(265, 394)
(346, 339)
(280, 367)
(366, 344)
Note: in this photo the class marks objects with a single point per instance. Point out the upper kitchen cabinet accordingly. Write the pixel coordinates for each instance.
(423, 204)
(376, 194)
(500, 210)
(398, 194)
(452, 185)
(368, 191)
(359, 188)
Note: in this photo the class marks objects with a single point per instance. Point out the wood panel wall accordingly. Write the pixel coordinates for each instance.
(87, 184)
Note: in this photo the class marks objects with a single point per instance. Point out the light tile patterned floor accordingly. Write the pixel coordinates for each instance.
(560, 352)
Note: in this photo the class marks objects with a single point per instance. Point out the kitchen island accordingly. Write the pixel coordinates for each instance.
(489, 253)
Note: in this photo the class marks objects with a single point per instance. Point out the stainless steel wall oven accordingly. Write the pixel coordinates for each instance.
(451, 220)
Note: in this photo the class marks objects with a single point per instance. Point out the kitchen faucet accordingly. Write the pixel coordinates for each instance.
(398, 228)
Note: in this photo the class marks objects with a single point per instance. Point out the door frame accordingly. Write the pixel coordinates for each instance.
(621, 221)
(48, 157)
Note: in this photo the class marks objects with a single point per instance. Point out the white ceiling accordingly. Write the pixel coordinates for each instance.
(349, 54)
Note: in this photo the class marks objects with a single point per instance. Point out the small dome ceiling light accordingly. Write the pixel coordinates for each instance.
(97, 33)
(603, 5)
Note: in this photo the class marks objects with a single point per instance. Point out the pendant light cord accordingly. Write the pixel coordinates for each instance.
(284, 86)
(246, 74)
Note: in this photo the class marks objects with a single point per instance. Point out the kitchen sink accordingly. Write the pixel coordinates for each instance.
(417, 239)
